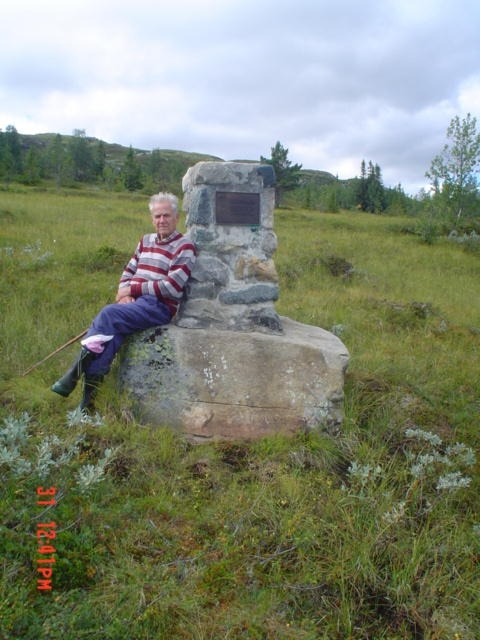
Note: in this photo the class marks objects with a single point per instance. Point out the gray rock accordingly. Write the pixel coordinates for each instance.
(208, 290)
(211, 384)
(265, 318)
(222, 173)
(209, 268)
(268, 174)
(250, 295)
(200, 207)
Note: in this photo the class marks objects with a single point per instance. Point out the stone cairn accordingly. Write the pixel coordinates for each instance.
(229, 367)
(230, 220)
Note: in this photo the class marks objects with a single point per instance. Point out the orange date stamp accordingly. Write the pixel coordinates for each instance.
(46, 534)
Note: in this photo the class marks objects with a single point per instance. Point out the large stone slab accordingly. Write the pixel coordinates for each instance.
(216, 384)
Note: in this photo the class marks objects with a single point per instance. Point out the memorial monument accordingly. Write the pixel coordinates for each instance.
(229, 367)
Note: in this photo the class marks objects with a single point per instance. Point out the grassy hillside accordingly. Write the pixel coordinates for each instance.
(374, 533)
(116, 153)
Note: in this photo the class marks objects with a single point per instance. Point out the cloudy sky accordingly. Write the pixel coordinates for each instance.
(335, 81)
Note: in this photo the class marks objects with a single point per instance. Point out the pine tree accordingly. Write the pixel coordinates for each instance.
(31, 173)
(7, 165)
(12, 141)
(370, 189)
(375, 190)
(362, 201)
(100, 160)
(287, 175)
(81, 156)
(132, 172)
(3, 148)
(56, 160)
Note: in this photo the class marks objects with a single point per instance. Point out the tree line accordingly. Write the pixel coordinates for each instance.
(454, 174)
(73, 160)
(328, 193)
(452, 203)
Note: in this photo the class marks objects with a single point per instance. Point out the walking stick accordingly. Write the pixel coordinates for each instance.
(57, 350)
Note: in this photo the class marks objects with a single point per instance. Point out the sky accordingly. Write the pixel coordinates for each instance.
(334, 81)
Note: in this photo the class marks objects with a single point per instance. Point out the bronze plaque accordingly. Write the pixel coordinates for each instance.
(237, 208)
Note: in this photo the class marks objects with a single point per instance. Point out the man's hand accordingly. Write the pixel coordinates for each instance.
(124, 295)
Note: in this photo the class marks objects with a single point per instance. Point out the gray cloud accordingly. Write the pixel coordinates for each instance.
(334, 82)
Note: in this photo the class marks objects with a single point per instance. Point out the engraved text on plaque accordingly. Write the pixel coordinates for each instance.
(237, 208)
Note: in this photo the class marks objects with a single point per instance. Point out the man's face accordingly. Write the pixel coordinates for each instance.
(164, 219)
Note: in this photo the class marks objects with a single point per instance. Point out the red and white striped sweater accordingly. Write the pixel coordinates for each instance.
(160, 268)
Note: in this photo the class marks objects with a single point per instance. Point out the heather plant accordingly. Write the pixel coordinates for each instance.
(50, 454)
(469, 241)
(373, 533)
(90, 474)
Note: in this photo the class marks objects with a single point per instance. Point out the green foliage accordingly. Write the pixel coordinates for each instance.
(132, 172)
(57, 160)
(77, 160)
(370, 190)
(428, 229)
(10, 154)
(287, 175)
(323, 192)
(32, 169)
(104, 257)
(370, 534)
(81, 155)
(330, 196)
(165, 171)
(454, 172)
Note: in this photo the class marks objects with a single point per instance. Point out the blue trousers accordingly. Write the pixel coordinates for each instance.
(120, 320)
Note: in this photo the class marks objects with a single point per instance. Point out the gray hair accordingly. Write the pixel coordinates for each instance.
(164, 197)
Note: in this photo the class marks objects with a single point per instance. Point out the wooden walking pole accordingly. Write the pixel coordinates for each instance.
(57, 350)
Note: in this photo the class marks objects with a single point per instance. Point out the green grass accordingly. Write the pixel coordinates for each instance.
(366, 535)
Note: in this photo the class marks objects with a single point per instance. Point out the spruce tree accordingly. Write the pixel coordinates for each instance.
(81, 156)
(132, 172)
(100, 160)
(287, 175)
(370, 189)
(56, 160)
(32, 170)
(12, 141)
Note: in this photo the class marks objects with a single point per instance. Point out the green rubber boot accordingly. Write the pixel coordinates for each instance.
(67, 383)
(90, 388)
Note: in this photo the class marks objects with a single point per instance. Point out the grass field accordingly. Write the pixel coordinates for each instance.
(374, 534)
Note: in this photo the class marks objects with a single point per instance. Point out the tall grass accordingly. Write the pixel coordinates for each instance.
(408, 311)
(372, 534)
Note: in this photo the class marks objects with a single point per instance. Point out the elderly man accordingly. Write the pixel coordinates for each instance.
(150, 289)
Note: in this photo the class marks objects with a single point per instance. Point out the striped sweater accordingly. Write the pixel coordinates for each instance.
(160, 268)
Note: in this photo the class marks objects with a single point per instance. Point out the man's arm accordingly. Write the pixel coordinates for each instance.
(124, 293)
